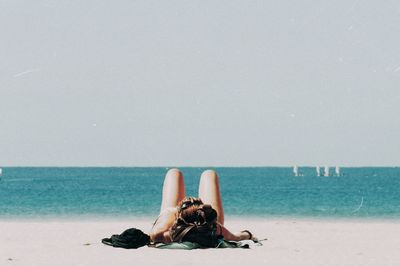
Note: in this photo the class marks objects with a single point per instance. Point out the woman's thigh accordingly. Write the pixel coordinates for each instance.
(173, 189)
(209, 192)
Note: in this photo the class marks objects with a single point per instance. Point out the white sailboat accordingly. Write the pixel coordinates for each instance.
(1, 171)
(318, 170)
(326, 171)
(295, 170)
(337, 171)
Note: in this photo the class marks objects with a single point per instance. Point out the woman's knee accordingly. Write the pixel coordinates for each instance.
(174, 173)
(209, 174)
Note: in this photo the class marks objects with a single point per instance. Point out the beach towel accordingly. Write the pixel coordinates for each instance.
(222, 244)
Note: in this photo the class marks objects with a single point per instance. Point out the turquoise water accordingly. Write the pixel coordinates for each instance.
(263, 191)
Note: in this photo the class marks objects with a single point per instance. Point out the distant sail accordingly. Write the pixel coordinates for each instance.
(1, 171)
(337, 170)
(295, 170)
(326, 171)
(318, 170)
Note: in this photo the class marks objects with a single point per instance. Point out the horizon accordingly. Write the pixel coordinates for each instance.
(193, 166)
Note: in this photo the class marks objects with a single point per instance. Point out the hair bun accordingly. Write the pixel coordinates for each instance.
(210, 213)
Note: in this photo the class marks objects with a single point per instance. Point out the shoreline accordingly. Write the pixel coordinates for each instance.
(143, 218)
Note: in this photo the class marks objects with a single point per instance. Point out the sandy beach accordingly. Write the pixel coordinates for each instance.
(290, 242)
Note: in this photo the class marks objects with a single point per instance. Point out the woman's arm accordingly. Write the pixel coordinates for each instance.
(229, 236)
(162, 236)
(160, 231)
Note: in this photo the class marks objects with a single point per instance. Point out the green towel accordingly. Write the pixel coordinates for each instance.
(222, 244)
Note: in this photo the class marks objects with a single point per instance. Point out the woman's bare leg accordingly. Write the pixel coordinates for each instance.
(173, 189)
(209, 192)
(173, 192)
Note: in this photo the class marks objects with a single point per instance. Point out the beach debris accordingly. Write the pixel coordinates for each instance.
(10, 259)
(87, 244)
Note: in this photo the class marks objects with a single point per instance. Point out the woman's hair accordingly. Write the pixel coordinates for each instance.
(196, 222)
(189, 201)
(198, 214)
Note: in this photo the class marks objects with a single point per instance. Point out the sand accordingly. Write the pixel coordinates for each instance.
(290, 242)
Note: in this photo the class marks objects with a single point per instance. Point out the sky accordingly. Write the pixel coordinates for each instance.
(199, 83)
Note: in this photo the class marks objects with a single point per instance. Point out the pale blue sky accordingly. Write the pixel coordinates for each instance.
(199, 83)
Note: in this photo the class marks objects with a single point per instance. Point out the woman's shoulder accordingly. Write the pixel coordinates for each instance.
(169, 210)
(163, 223)
(167, 215)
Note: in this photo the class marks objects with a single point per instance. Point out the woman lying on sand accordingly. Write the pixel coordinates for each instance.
(199, 220)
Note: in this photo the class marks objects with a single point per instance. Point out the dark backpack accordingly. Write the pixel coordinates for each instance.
(130, 238)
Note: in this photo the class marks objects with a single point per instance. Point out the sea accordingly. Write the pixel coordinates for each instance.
(115, 192)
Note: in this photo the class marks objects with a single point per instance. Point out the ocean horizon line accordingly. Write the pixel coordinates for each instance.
(195, 166)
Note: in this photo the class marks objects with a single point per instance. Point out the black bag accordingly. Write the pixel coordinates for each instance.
(130, 238)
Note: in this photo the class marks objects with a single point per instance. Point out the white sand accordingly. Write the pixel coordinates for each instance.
(290, 242)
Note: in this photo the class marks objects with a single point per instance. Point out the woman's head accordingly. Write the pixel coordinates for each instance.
(188, 202)
(200, 220)
(192, 210)
(198, 214)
